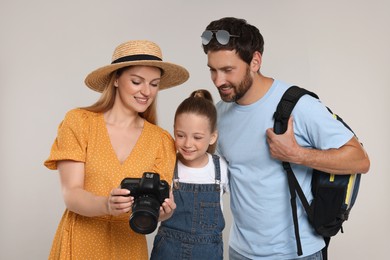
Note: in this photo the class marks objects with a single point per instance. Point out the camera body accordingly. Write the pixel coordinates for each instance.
(149, 193)
(149, 185)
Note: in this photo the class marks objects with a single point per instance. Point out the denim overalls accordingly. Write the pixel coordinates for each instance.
(195, 229)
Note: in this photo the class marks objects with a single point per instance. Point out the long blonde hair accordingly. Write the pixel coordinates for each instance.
(107, 99)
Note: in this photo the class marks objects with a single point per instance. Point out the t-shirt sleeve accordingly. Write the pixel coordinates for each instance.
(316, 127)
(166, 157)
(71, 141)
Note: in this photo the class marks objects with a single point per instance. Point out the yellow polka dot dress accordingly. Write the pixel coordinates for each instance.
(83, 137)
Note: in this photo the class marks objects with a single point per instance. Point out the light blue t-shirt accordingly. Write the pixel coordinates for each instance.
(260, 201)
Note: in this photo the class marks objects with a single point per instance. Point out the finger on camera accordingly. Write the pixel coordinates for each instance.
(124, 207)
(122, 200)
(120, 192)
(167, 207)
(171, 203)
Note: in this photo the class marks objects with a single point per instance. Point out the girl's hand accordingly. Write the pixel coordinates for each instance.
(167, 208)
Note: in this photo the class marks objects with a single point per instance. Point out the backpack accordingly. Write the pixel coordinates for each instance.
(333, 195)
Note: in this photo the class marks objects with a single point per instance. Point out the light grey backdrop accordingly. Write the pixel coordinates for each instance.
(339, 49)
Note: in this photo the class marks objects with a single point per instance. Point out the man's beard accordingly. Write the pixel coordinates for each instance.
(240, 90)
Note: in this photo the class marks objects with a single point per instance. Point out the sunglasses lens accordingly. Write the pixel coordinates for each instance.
(206, 37)
(223, 37)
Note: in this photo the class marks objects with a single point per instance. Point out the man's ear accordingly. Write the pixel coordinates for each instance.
(256, 61)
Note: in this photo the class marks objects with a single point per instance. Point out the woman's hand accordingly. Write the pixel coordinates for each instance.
(119, 202)
(167, 208)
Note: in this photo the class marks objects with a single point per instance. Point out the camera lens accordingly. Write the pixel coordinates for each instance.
(145, 214)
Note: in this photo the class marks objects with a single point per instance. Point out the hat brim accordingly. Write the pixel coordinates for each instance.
(172, 76)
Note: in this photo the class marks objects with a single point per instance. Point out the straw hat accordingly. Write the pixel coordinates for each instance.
(138, 52)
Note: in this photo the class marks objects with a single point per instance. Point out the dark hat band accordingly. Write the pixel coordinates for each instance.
(136, 58)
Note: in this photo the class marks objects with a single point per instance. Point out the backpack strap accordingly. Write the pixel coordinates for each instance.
(325, 249)
(281, 117)
(286, 105)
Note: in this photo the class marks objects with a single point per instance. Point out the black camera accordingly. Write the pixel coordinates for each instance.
(149, 193)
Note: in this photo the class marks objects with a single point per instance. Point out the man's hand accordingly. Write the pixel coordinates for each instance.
(284, 147)
(349, 158)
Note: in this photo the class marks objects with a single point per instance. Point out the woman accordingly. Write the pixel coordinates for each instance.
(98, 146)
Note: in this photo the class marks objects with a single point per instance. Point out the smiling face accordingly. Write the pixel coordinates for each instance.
(192, 138)
(137, 87)
(230, 74)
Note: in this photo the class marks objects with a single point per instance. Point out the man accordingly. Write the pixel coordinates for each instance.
(262, 227)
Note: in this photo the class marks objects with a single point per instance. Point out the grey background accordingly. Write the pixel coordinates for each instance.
(339, 49)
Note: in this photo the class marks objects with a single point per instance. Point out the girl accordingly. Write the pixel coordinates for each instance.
(195, 229)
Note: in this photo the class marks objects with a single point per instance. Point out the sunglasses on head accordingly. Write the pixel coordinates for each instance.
(222, 36)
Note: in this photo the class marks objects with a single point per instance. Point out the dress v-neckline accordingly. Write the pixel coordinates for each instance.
(103, 122)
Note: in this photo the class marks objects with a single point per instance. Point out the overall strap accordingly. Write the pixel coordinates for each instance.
(175, 179)
(217, 171)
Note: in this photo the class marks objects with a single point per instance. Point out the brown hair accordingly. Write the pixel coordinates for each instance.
(249, 40)
(106, 100)
(200, 102)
